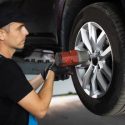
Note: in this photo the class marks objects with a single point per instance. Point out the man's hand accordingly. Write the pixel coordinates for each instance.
(61, 73)
(44, 70)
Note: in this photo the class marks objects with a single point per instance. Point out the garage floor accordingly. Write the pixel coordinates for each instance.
(68, 110)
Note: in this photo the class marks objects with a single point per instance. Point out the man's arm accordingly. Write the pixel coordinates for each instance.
(36, 81)
(38, 104)
(39, 79)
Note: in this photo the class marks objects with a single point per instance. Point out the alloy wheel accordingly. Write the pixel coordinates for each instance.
(95, 78)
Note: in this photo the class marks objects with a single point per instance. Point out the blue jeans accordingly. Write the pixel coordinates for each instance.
(32, 120)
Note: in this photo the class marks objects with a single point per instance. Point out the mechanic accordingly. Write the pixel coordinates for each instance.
(18, 99)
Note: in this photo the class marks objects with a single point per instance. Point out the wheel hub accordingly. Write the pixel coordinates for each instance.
(95, 58)
(94, 61)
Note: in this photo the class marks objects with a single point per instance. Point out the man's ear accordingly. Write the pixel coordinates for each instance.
(2, 34)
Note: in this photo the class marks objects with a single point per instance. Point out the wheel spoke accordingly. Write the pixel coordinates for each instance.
(101, 39)
(102, 82)
(106, 53)
(79, 47)
(92, 36)
(86, 77)
(93, 81)
(107, 71)
(85, 39)
(92, 32)
(80, 70)
(78, 66)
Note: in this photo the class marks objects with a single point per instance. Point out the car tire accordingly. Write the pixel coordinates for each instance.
(104, 92)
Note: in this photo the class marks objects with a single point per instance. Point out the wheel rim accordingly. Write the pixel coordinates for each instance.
(94, 78)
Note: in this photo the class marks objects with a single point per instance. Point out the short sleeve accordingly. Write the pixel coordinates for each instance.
(17, 86)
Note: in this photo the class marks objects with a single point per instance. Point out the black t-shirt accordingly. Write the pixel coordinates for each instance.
(13, 87)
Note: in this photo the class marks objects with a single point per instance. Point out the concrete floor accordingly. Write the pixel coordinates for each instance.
(68, 110)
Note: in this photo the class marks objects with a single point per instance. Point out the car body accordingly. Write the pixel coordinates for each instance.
(97, 26)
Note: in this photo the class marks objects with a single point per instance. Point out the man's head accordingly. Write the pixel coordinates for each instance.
(12, 29)
(13, 35)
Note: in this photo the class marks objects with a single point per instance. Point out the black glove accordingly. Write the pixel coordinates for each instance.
(61, 73)
(45, 69)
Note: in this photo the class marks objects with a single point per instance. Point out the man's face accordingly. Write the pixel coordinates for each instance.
(16, 35)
